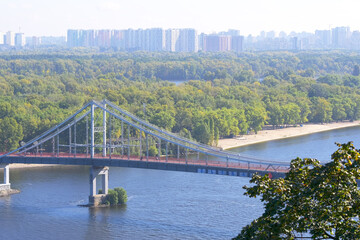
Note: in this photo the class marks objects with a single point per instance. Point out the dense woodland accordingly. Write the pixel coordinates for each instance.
(226, 95)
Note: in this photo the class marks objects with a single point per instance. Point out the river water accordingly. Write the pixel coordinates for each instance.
(318, 145)
(162, 204)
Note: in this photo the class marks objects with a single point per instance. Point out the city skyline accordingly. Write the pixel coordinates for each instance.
(53, 17)
(262, 33)
(188, 40)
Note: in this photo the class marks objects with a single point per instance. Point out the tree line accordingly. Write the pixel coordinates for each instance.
(225, 95)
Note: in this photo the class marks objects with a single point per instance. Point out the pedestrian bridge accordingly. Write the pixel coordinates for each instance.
(102, 135)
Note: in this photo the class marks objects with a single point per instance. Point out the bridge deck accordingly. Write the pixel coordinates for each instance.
(162, 163)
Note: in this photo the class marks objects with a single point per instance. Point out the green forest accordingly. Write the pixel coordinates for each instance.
(225, 94)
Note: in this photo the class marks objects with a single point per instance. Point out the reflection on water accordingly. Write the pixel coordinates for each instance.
(99, 222)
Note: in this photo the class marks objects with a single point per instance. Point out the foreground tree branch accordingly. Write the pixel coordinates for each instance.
(319, 201)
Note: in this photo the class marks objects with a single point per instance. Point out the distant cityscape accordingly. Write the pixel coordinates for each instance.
(187, 40)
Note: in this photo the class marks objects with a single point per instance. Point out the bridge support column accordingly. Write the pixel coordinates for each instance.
(105, 182)
(7, 175)
(6, 184)
(94, 198)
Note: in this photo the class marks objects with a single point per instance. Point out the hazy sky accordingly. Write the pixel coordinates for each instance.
(54, 17)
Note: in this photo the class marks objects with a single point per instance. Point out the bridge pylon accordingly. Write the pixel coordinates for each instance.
(95, 198)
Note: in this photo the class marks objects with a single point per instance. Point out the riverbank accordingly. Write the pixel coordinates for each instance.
(8, 192)
(269, 135)
(21, 165)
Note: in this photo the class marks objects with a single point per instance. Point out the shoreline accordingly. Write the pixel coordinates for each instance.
(30, 165)
(8, 192)
(276, 134)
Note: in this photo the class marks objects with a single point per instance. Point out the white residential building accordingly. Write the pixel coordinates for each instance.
(10, 38)
(19, 40)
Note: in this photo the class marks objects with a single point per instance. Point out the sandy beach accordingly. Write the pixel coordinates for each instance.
(268, 135)
(21, 165)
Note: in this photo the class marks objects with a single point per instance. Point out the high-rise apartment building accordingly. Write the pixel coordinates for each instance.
(86, 38)
(144, 39)
(73, 38)
(340, 37)
(10, 38)
(130, 39)
(181, 40)
(201, 38)
(211, 43)
(355, 40)
(104, 38)
(295, 43)
(172, 40)
(188, 40)
(225, 43)
(323, 39)
(237, 43)
(217, 43)
(157, 40)
(33, 41)
(19, 40)
(118, 39)
(2, 38)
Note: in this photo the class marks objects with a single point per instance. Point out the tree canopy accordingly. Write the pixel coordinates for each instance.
(225, 94)
(317, 200)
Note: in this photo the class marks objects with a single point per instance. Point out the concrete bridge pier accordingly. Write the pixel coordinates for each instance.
(6, 184)
(94, 198)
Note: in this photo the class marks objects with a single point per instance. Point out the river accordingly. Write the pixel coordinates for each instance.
(162, 204)
(318, 145)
